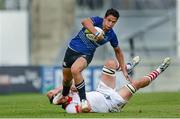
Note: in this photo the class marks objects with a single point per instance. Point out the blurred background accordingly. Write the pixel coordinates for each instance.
(34, 35)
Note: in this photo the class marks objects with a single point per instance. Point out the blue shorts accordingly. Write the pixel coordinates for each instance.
(71, 56)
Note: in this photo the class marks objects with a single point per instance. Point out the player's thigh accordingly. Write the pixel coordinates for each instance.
(79, 65)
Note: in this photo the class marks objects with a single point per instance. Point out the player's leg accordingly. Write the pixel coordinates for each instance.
(70, 57)
(67, 81)
(78, 66)
(67, 75)
(110, 67)
(108, 76)
(128, 90)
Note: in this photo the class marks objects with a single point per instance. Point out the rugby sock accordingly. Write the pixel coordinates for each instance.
(81, 89)
(153, 75)
(65, 91)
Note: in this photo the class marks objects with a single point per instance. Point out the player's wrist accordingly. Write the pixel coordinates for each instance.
(97, 34)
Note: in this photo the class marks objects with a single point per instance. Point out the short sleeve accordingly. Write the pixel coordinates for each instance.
(114, 41)
(96, 20)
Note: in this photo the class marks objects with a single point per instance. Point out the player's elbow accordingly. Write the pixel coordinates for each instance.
(86, 22)
(83, 22)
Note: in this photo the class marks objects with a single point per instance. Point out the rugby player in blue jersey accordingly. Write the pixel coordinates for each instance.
(80, 52)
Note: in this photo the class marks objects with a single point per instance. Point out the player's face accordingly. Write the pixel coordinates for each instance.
(109, 22)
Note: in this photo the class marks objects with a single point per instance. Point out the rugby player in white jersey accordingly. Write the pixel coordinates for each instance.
(105, 98)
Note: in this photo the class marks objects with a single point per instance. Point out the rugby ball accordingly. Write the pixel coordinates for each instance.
(90, 35)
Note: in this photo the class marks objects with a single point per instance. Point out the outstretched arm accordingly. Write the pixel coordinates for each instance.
(120, 58)
(128, 90)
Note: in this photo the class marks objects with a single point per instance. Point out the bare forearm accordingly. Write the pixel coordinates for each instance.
(88, 24)
(120, 58)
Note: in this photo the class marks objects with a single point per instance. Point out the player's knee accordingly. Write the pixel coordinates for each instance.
(75, 70)
(111, 63)
(110, 67)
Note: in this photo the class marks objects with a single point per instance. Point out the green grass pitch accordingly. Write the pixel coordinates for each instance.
(146, 105)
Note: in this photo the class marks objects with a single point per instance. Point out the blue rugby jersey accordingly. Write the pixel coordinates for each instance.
(83, 45)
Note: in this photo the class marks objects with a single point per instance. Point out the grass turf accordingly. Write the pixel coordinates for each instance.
(146, 105)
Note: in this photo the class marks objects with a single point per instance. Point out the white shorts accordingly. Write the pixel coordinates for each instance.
(113, 100)
(103, 100)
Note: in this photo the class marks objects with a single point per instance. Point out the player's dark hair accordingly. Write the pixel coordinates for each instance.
(112, 12)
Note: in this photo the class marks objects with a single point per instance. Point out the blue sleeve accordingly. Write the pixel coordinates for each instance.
(114, 41)
(97, 20)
